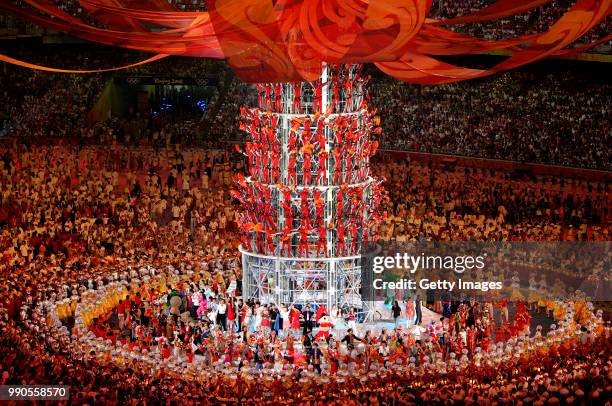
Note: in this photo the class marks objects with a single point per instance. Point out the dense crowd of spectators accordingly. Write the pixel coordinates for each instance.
(64, 101)
(537, 20)
(58, 110)
(522, 116)
(225, 124)
(518, 116)
(479, 204)
(188, 5)
(101, 194)
(181, 67)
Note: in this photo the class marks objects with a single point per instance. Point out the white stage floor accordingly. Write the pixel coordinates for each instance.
(386, 322)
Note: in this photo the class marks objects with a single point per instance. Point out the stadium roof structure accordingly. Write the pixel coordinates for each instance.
(289, 40)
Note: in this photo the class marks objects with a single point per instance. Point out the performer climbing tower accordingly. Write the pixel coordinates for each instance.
(311, 208)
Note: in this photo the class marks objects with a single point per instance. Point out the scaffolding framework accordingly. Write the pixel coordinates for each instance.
(311, 208)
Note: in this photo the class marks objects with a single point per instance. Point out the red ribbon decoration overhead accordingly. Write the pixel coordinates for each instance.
(572, 25)
(289, 40)
(59, 70)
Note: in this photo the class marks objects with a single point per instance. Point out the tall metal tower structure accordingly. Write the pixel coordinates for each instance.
(311, 208)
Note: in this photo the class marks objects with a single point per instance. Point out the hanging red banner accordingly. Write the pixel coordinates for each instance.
(289, 40)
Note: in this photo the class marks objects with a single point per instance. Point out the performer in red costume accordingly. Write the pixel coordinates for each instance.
(347, 165)
(341, 240)
(340, 129)
(304, 242)
(340, 200)
(270, 130)
(286, 241)
(322, 168)
(275, 167)
(338, 178)
(325, 324)
(318, 99)
(320, 138)
(291, 173)
(306, 132)
(268, 209)
(288, 211)
(257, 230)
(245, 311)
(365, 237)
(319, 204)
(269, 235)
(305, 208)
(294, 320)
(274, 124)
(521, 318)
(277, 97)
(265, 166)
(503, 306)
(471, 340)
(260, 95)
(257, 159)
(251, 208)
(248, 152)
(336, 105)
(297, 98)
(353, 202)
(354, 237)
(307, 166)
(268, 100)
(348, 93)
(287, 194)
(293, 137)
(322, 244)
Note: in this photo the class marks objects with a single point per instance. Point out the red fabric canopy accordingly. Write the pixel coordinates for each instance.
(289, 40)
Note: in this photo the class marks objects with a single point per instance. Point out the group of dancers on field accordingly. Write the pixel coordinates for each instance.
(257, 334)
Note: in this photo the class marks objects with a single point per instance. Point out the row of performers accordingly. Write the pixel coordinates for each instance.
(305, 242)
(352, 204)
(345, 94)
(267, 344)
(344, 131)
(304, 167)
(350, 349)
